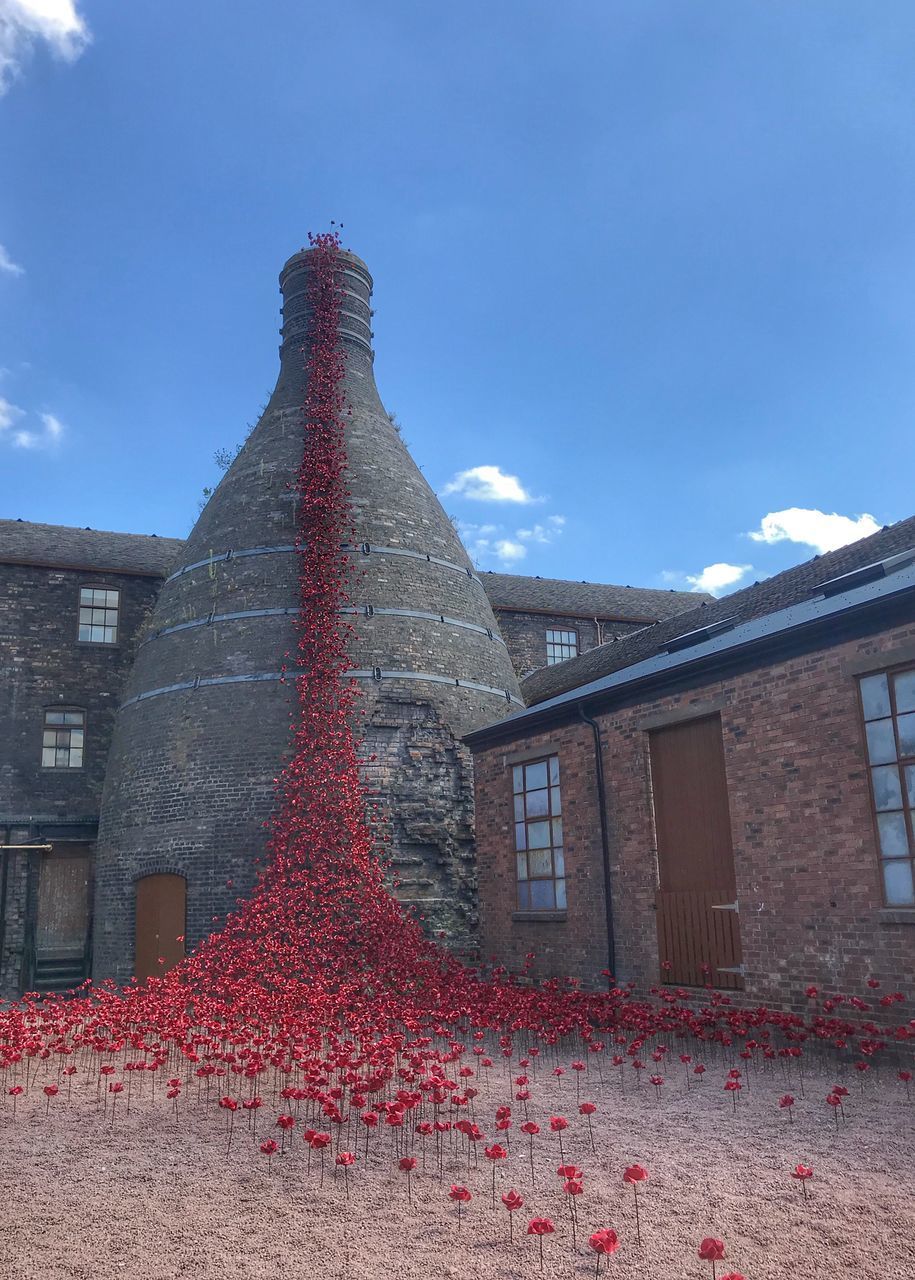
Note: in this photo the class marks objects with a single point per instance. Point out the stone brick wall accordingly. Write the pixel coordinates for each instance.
(808, 880)
(525, 635)
(43, 664)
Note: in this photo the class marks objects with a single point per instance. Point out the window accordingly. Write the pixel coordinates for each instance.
(538, 836)
(561, 645)
(888, 702)
(62, 742)
(98, 614)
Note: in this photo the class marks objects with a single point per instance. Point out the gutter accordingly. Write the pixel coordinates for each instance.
(604, 837)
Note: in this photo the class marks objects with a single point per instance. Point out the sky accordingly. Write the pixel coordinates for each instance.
(644, 269)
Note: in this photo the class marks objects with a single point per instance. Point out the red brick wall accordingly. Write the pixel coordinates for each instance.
(808, 880)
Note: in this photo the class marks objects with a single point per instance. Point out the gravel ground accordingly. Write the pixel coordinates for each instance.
(157, 1198)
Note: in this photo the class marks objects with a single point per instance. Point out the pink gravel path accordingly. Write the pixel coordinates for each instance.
(154, 1199)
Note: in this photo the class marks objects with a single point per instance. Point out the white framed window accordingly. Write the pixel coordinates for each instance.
(63, 738)
(98, 614)
(888, 707)
(560, 645)
(539, 857)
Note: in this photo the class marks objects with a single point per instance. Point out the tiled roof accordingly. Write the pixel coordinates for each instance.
(22, 542)
(584, 599)
(779, 592)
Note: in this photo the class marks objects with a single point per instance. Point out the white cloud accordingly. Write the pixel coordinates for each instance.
(489, 544)
(488, 484)
(716, 578)
(47, 437)
(495, 544)
(6, 262)
(23, 23)
(9, 413)
(53, 426)
(510, 552)
(813, 528)
(544, 534)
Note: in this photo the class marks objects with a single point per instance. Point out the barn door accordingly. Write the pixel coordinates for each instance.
(698, 925)
(160, 923)
(62, 922)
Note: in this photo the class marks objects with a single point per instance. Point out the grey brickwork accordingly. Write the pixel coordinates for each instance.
(525, 634)
(191, 777)
(44, 665)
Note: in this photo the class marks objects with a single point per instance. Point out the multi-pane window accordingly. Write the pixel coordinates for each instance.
(538, 836)
(888, 702)
(62, 741)
(561, 645)
(98, 614)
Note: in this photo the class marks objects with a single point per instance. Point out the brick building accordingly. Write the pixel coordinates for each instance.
(143, 716)
(71, 604)
(724, 796)
(549, 620)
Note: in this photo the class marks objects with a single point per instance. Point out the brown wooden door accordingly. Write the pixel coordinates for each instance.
(160, 923)
(698, 926)
(63, 906)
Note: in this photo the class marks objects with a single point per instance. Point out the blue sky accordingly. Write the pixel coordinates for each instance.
(649, 264)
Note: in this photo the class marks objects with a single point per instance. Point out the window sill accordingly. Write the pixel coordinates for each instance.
(896, 915)
(541, 917)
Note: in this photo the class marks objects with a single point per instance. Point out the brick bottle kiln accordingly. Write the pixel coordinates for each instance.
(204, 724)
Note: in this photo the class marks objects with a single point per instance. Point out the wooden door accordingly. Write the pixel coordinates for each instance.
(698, 925)
(63, 906)
(160, 923)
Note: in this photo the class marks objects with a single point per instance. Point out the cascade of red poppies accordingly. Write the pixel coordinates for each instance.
(321, 952)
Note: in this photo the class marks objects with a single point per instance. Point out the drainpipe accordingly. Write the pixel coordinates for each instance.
(4, 880)
(604, 834)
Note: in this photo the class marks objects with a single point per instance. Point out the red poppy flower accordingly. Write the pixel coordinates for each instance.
(801, 1172)
(530, 1127)
(540, 1227)
(512, 1200)
(711, 1250)
(605, 1241)
(51, 1090)
(459, 1194)
(635, 1173)
(346, 1158)
(495, 1152)
(407, 1164)
(587, 1109)
(558, 1123)
(269, 1148)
